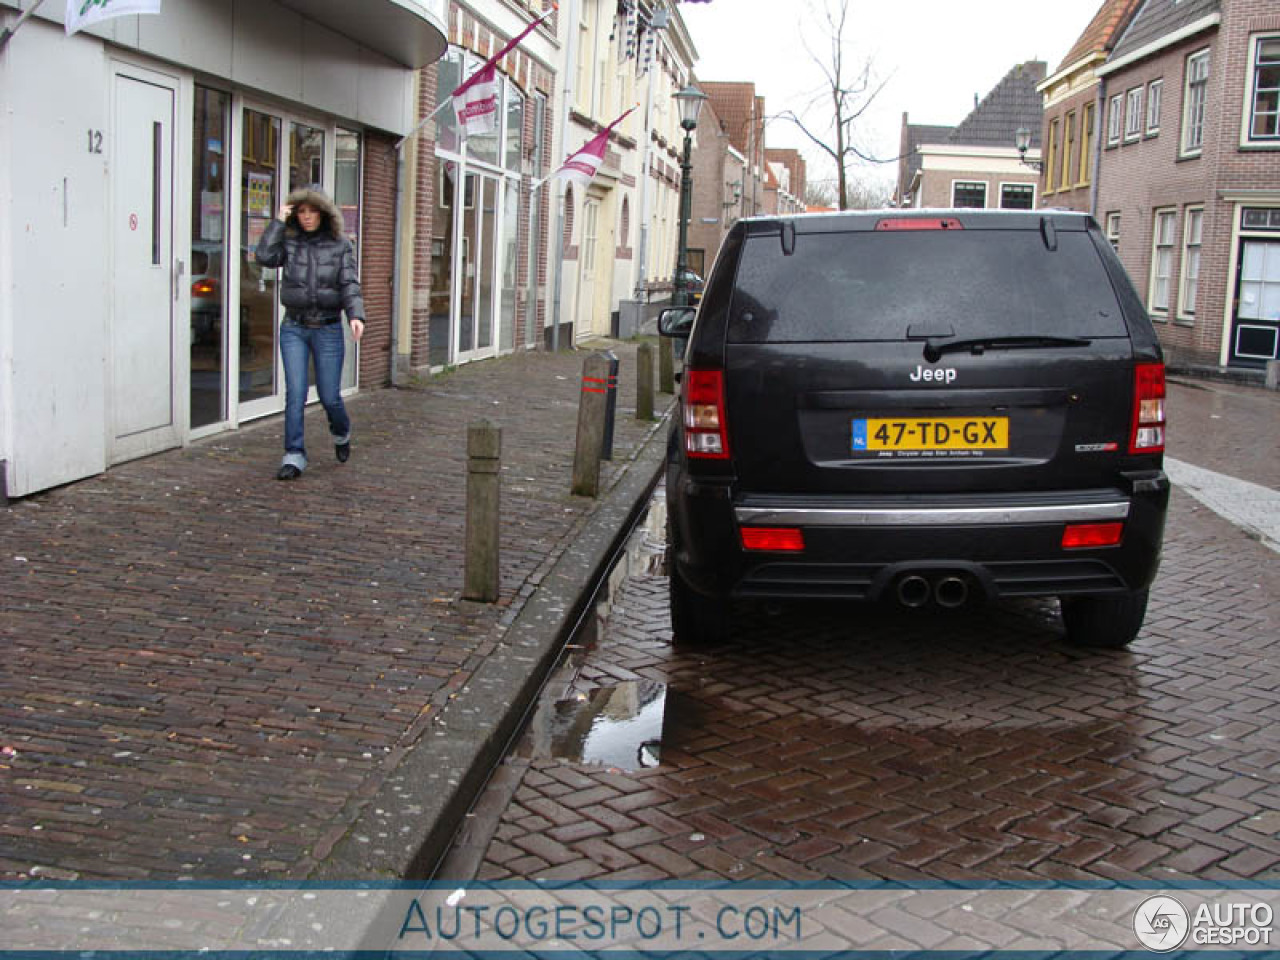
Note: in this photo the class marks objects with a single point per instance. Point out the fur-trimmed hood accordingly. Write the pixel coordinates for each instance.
(329, 212)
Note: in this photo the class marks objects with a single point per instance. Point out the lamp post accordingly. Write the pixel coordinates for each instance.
(1022, 140)
(689, 102)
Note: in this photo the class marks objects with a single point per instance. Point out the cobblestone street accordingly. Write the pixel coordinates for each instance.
(857, 742)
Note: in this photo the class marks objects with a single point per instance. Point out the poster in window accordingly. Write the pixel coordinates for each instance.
(258, 194)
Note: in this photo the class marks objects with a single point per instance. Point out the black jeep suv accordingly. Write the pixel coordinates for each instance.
(931, 406)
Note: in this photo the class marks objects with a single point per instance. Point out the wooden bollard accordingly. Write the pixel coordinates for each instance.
(666, 366)
(644, 382)
(592, 405)
(484, 463)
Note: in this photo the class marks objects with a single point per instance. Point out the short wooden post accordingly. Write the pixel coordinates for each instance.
(666, 366)
(484, 463)
(1273, 374)
(644, 382)
(592, 404)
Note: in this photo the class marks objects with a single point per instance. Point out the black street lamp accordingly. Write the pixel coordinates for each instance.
(1022, 140)
(689, 101)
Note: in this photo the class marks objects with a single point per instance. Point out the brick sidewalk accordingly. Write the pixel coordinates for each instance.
(210, 673)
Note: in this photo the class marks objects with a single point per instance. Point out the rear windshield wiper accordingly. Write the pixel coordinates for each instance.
(934, 349)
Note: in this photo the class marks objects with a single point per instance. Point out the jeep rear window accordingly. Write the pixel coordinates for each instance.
(873, 286)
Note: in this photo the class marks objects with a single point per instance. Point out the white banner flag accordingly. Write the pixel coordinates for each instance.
(582, 165)
(84, 13)
(475, 102)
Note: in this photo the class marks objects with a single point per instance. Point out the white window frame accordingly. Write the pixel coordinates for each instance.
(969, 183)
(1113, 230)
(1133, 115)
(1195, 102)
(1162, 241)
(1020, 186)
(1115, 119)
(1192, 248)
(1247, 139)
(1155, 97)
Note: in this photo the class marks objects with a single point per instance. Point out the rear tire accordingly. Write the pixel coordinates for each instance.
(695, 620)
(1111, 622)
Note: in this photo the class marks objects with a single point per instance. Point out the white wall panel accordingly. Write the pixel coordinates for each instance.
(267, 48)
(385, 92)
(6, 251)
(194, 33)
(57, 227)
(330, 70)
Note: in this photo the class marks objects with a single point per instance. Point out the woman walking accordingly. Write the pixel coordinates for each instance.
(318, 283)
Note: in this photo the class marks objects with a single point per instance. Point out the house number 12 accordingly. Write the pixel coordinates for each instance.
(95, 141)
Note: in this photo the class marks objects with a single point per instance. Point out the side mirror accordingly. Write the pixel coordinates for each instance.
(676, 321)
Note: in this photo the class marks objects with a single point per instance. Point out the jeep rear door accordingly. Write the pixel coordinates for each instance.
(984, 356)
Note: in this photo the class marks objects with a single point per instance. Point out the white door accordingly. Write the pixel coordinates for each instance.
(144, 398)
(1255, 338)
(584, 328)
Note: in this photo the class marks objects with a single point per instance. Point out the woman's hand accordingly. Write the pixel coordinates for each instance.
(357, 329)
(286, 211)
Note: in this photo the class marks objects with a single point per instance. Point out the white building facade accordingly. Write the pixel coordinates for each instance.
(140, 160)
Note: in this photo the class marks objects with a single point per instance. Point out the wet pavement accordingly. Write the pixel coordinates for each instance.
(863, 742)
(211, 674)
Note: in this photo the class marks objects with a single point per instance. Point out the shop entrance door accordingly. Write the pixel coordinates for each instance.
(145, 339)
(1255, 329)
(477, 306)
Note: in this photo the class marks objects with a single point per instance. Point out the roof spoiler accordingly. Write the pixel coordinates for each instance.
(1048, 233)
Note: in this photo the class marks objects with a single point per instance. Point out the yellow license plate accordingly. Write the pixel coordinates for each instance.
(943, 433)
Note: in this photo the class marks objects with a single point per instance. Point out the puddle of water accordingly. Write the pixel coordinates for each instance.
(618, 726)
(622, 725)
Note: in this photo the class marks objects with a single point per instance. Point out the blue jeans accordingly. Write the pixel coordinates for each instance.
(325, 345)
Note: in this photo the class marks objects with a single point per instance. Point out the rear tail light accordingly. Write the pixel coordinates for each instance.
(1080, 535)
(705, 430)
(1147, 435)
(777, 539)
(204, 288)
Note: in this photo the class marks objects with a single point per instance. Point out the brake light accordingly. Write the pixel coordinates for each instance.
(1079, 535)
(776, 539)
(204, 288)
(1147, 434)
(705, 430)
(919, 223)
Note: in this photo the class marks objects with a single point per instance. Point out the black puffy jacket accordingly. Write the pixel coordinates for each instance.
(319, 278)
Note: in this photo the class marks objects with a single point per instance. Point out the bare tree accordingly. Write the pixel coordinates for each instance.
(867, 194)
(819, 193)
(850, 88)
(860, 193)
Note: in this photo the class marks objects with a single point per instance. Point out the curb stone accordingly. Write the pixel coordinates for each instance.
(406, 827)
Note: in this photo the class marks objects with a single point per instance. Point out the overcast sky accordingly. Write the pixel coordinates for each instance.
(933, 56)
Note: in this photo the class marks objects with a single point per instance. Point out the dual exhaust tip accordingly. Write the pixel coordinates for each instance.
(949, 591)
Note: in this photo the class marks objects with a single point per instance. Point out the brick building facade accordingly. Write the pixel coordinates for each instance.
(1189, 175)
(976, 163)
(1072, 111)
